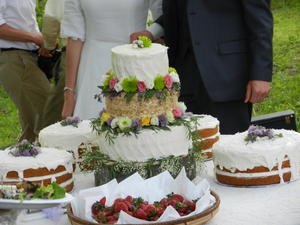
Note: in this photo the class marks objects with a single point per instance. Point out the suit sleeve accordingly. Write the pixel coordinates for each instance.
(259, 22)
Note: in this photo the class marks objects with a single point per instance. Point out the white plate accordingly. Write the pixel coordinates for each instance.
(33, 204)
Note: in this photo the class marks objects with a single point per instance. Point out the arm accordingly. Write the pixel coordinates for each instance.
(74, 48)
(11, 34)
(259, 22)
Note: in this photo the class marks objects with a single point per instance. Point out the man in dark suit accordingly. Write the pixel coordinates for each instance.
(222, 51)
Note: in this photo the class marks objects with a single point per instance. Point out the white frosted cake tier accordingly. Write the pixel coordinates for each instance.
(233, 153)
(147, 145)
(66, 137)
(206, 122)
(143, 63)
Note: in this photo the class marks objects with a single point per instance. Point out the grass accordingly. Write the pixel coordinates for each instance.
(285, 92)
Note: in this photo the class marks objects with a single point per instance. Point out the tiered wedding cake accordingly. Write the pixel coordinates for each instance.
(257, 157)
(143, 128)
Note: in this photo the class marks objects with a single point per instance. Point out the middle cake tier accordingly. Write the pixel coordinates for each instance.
(140, 108)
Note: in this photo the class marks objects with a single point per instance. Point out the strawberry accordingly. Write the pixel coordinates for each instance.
(177, 197)
(164, 202)
(120, 206)
(141, 214)
(160, 211)
(173, 203)
(150, 209)
(129, 199)
(103, 201)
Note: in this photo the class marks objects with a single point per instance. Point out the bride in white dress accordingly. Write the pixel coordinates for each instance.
(93, 27)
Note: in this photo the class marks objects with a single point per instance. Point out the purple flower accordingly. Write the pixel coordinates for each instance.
(54, 213)
(163, 121)
(136, 124)
(109, 121)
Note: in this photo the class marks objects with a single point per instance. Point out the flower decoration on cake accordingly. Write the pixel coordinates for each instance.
(255, 132)
(71, 121)
(115, 125)
(25, 148)
(142, 42)
(161, 86)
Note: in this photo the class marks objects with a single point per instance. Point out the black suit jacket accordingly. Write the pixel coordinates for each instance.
(231, 40)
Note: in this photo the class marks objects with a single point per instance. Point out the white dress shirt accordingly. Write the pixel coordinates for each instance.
(19, 14)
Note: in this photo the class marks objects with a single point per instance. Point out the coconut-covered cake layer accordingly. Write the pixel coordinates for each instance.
(265, 160)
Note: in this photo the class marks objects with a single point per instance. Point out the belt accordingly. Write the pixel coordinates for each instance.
(18, 49)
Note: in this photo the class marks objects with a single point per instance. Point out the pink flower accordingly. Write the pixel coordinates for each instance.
(141, 86)
(177, 112)
(112, 82)
(168, 81)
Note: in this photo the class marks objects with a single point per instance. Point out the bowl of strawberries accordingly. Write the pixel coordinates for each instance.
(162, 201)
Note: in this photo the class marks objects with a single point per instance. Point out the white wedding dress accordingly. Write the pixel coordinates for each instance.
(101, 24)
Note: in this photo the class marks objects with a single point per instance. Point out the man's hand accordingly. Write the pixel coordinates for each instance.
(45, 52)
(134, 36)
(257, 91)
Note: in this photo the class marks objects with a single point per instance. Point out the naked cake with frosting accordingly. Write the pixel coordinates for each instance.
(37, 165)
(259, 156)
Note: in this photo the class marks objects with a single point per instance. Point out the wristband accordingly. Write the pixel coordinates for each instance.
(68, 89)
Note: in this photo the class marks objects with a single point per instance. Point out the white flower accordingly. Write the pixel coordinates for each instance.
(124, 122)
(118, 86)
(149, 84)
(170, 116)
(102, 79)
(114, 123)
(154, 121)
(181, 106)
(175, 77)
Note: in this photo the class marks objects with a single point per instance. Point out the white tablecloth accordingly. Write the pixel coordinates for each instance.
(272, 205)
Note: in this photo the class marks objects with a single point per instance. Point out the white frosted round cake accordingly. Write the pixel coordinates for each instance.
(70, 138)
(268, 159)
(147, 145)
(142, 63)
(49, 165)
(207, 130)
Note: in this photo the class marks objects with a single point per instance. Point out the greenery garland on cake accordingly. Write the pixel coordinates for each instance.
(106, 169)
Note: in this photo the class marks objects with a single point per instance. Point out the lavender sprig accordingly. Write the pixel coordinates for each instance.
(259, 131)
(71, 121)
(25, 148)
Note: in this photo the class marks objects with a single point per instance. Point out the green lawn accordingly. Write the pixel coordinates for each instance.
(286, 80)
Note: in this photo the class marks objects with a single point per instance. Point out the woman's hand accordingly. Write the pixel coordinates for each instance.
(69, 104)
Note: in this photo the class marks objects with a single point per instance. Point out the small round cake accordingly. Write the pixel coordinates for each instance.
(68, 137)
(245, 160)
(49, 165)
(208, 132)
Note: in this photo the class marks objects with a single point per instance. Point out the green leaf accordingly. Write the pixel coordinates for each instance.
(58, 191)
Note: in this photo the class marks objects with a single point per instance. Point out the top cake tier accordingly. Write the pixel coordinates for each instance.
(143, 63)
